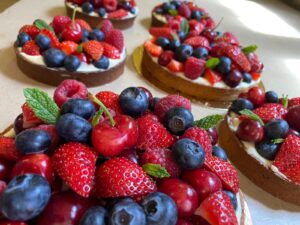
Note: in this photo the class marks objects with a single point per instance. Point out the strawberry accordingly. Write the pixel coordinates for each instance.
(217, 209)
(162, 32)
(153, 49)
(110, 5)
(228, 38)
(197, 42)
(75, 163)
(68, 47)
(218, 49)
(184, 11)
(8, 149)
(294, 102)
(173, 24)
(59, 22)
(270, 111)
(106, 27)
(175, 66)
(29, 118)
(31, 30)
(94, 49)
(236, 54)
(132, 3)
(116, 38)
(54, 40)
(212, 76)
(256, 76)
(31, 48)
(152, 133)
(110, 51)
(120, 177)
(168, 102)
(256, 64)
(118, 14)
(225, 171)
(195, 25)
(194, 67)
(110, 100)
(200, 136)
(83, 24)
(163, 157)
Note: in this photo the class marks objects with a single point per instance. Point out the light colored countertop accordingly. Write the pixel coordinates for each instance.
(270, 24)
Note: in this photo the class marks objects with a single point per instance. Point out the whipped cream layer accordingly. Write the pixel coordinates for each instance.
(160, 17)
(94, 14)
(84, 67)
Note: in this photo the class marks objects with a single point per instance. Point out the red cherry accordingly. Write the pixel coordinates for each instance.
(111, 140)
(250, 130)
(204, 182)
(7, 222)
(5, 168)
(183, 222)
(293, 117)
(34, 163)
(183, 194)
(256, 96)
(213, 135)
(72, 32)
(293, 132)
(2, 186)
(148, 93)
(64, 208)
(165, 58)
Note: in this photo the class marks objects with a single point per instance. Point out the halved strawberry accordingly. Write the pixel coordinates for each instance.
(175, 66)
(194, 67)
(31, 30)
(84, 25)
(116, 38)
(53, 38)
(110, 100)
(212, 76)
(8, 149)
(29, 118)
(118, 14)
(68, 47)
(225, 171)
(198, 41)
(120, 177)
(153, 49)
(94, 49)
(75, 163)
(162, 32)
(110, 51)
(196, 26)
(217, 209)
(228, 38)
(270, 111)
(237, 55)
(31, 48)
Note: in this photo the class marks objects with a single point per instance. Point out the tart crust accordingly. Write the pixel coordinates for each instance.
(210, 96)
(155, 22)
(97, 21)
(54, 76)
(259, 174)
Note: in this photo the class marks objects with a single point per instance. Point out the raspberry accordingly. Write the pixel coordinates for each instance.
(31, 30)
(30, 48)
(107, 27)
(194, 67)
(69, 89)
(184, 11)
(116, 39)
(59, 23)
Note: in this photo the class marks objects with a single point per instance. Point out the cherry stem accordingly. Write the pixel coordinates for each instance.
(219, 23)
(73, 16)
(106, 111)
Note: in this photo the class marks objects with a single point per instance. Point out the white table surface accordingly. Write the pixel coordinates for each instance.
(270, 24)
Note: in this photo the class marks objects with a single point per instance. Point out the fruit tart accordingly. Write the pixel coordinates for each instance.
(121, 13)
(184, 56)
(70, 49)
(167, 11)
(112, 158)
(261, 135)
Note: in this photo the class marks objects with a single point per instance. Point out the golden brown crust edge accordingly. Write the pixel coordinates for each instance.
(256, 172)
(54, 77)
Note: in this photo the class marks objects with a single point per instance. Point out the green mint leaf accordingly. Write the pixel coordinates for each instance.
(277, 141)
(155, 170)
(173, 12)
(97, 117)
(212, 63)
(80, 48)
(42, 105)
(249, 49)
(41, 24)
(251, 115)
(285, 101)
(174, 36)
(184, 26)
(209, 121)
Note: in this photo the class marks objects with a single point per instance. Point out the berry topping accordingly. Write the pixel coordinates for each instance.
(120, 13)
(161, 32)
(110, 5)
(219, 152)
(110, 51)
(197, 42)
(165, 58)
(110, 100)
(59, 23)
(31, 48)
(80, 107)
(194, 68)
(250, 130)
(95, 215)
(175, 66)
(293, 116)
(270, 111)
(22, 39)
(94, 49)
(54, 57)
(68, 47)
(31, 30)
(8, 149)
(115, 38)
(267, 149)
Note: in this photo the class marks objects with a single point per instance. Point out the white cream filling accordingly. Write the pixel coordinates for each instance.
(94, 14)
(160, 17)
(84, 67)
(239, 210)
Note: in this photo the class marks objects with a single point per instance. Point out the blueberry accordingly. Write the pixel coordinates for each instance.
(176, 3)
(276, 129)
(182, 35)
(94, 216)
(54, 57)
(87, 7)
(247, 78)
(43, 41)
(102, 63)
(127, 212)
(188, 154)
(174, 44)
(153, 103)
(183, 52)
(167, 6)
(102, 12)
(163, 42)
(22, 39)
(196, 15)
(233, 199)
(96, 34)
(73, 128)
(224, 66)
(25, 197)
(178, 119)
(272, 97)
(80, 107)
(240, 104)
(33, 141)
(200, 53)
(267, 149)
(72, 63)
(219, 152)
(126, 5)
(160, 209)
(133, 101)
(132, 10)
(85, 33)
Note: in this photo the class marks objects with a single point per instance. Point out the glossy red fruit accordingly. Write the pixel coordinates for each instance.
(233, 79)
(96, 3)
(29, 118)
(194, 68)
(250, 130)
(148, 93)
(110, 5)
(59, 22)
(110, 100)
(2, 186)
(213, 135)
(7, 222)
(293, 117)
(165, 58)
(111, 140)
(130, 154)
(204, 182)
(256, 96)
(183, 194)
(72, 32)
(8, 149)
(198, 41)
(64, 208)
(5, 168)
